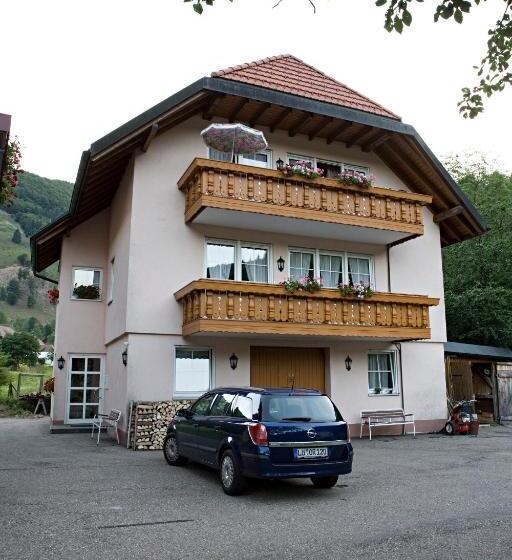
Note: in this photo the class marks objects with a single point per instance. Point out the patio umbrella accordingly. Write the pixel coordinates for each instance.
(234, 139)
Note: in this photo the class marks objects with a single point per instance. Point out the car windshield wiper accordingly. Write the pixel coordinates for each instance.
(296, 419)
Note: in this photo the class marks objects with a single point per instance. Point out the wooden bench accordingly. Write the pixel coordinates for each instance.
(384, 418)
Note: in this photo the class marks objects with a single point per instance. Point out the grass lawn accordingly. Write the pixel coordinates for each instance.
(28, 385)
(9, 250)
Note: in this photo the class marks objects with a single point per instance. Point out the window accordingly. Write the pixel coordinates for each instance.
(356, 169)
(334, 268)
(222, 405)
(236, 260)
(243, 407)
(302, 264)
(294, 158)
(111, 281)
(330, 168)
(193, 371)
(201, 407)
(259, 159)
(86, 283)
(382, 374)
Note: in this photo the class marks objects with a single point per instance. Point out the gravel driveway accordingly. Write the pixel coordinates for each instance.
(429, 497)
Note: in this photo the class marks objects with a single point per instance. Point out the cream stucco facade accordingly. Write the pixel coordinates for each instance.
(155, 254)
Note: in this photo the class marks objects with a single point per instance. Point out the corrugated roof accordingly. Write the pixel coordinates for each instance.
(289, 74)
(477, 350)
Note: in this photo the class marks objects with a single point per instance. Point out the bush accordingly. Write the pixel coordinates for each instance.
(21, 348)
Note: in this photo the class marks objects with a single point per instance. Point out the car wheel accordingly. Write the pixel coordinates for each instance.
(231, 478)
(324, 481)
(171, 453)
(449, 429)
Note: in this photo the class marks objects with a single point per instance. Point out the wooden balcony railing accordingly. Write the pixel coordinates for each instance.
(215, 184)
(217, 306)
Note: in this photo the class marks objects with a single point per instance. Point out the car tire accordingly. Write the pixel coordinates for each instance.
(171, 453)
(231, 479)
(449, 429)
(324, 481)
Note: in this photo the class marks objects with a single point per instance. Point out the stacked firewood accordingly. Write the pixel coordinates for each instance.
(150, 421)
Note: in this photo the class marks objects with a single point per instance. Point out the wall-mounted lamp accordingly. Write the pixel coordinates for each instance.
(60, 363)
(280, 264)
(348, 363)
(279, 164)
(233, 361)
(124, 357)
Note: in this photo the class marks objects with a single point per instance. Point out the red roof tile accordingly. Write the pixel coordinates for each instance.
(289, 74)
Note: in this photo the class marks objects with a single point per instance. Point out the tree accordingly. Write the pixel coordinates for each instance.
(493, 72)
(10, 175)
(3, 318)
(30, 301)
(477, 272)
(23, 260)
(16, 236)
(21, 348)
(23, 273)
(12, 292)
(3, 293)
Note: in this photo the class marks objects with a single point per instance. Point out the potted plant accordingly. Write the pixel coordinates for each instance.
(53, 296)
(359, 290)
(355, 178)
(305, 284)
(301, 168)
(86, 292)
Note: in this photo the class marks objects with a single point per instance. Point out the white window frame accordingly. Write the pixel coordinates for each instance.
(178, 395)
(94, 269)
(111, 281)
(238, 158)
(238, 244)
(394, 374)
(343, 166)
(344, 254)
(102, 387)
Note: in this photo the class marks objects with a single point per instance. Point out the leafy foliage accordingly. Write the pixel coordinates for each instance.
(198, 4)
(477, 272)
(11, 172)
(16, 236)
(21, 348)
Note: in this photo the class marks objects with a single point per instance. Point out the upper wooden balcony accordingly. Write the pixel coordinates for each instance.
(242, 196)
(247, 308)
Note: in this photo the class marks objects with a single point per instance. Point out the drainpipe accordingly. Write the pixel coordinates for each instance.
(388, 246)
(398, 346)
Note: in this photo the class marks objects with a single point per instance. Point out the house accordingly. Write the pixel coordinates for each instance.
(171, 256)
(483, 373)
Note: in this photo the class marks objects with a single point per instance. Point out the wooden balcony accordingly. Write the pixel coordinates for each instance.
(220, 306)
(241, 196)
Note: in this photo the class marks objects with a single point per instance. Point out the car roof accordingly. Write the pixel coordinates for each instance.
(268, 390)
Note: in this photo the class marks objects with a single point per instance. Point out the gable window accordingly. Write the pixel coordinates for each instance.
(330, 168)
(237, 260)
(259, 159)
(193, 371)
(382, 378)
(334, 268)
(86, 283)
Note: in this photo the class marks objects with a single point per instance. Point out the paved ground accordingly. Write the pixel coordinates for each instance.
(428, 498)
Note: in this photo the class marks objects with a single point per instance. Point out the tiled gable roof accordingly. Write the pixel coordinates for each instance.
(289, 74)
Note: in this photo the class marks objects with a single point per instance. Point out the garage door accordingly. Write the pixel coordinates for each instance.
(278, 367)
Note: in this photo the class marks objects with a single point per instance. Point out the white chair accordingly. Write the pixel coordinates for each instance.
(106, 421)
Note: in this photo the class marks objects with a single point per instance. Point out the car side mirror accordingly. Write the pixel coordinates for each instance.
(183, 413)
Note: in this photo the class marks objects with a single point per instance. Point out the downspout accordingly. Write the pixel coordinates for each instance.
(398, 345)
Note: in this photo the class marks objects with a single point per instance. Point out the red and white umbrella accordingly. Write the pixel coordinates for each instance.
(234, 139)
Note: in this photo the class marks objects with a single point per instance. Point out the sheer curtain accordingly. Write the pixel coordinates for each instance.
(254, 264)
(302, 264)
(220, 261)
(331, 270)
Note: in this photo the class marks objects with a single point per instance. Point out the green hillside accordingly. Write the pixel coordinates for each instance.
(23, 298)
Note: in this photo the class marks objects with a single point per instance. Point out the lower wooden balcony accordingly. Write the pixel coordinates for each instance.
(246, 308)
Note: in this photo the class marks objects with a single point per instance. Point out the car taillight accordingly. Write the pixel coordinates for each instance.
(258, 433)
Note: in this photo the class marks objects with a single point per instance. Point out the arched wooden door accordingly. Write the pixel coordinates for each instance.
(283, 367)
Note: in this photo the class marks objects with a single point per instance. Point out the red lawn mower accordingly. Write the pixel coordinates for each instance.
(462, 418)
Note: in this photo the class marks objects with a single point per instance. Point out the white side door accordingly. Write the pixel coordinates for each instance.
(85, 388)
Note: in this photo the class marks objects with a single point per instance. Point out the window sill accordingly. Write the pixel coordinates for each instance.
(85, 299)
(383, 394)
(188, 396)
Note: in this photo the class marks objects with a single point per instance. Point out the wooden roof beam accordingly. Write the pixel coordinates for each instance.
(307, 117)
(338, 130)
(450, 213)
(326, 121)
(149, 138)
(259, 113)
(208, 110)
(238, 108)
(376, 142)
(279, 119)
(358, 135)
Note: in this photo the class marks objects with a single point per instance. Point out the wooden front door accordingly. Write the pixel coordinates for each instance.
(282, 367)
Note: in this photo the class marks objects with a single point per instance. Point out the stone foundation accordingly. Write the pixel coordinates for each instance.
(149, 421)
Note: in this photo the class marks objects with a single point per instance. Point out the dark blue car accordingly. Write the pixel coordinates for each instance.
(247, 432)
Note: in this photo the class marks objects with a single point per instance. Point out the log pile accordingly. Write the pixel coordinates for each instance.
(150, 420)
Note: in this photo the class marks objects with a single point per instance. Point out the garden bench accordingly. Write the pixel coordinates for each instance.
(383, 418)
(104, 421)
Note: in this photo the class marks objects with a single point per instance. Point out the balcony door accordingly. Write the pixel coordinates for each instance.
(85, 388)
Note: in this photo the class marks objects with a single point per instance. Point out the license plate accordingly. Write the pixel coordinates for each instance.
(310, 452)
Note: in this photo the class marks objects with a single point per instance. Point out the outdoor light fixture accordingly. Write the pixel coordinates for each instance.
(124, 357)
(348, 363)
(233, 361)
(279, 163)
(60, 362)
(280, 264)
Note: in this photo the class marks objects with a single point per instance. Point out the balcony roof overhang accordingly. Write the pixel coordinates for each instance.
(397, 144)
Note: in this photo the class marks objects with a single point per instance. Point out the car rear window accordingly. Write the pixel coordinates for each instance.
(298, 408)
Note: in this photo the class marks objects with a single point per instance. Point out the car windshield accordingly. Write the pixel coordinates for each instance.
(298, 408)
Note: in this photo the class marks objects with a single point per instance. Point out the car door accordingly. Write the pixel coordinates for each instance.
(215, 428)
(189, 430)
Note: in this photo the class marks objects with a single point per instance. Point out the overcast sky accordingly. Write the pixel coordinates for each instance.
(77, 69)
